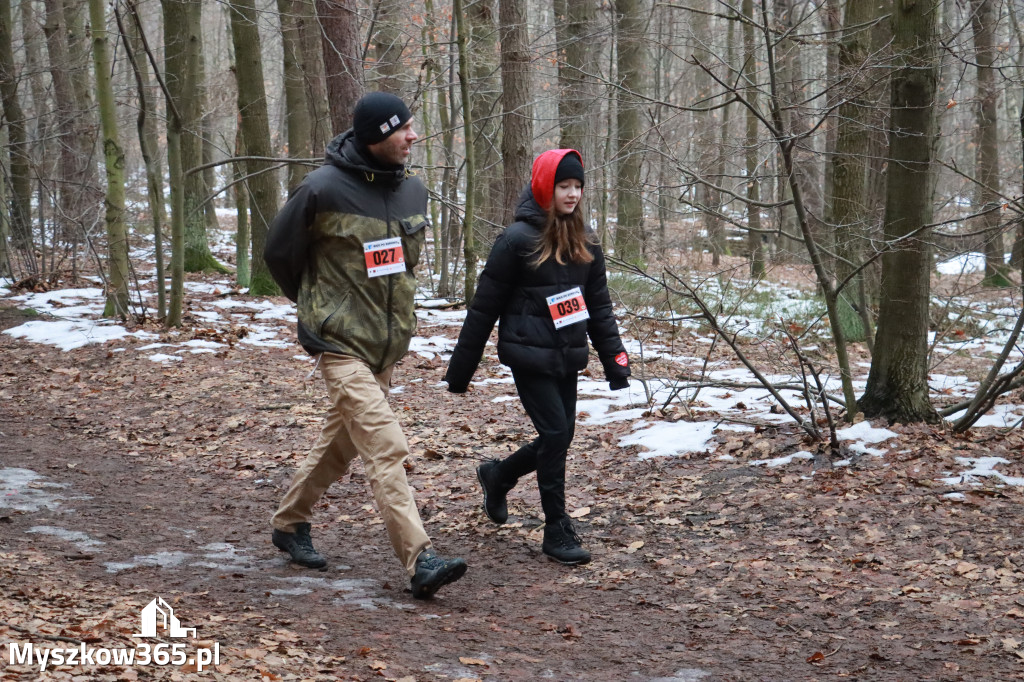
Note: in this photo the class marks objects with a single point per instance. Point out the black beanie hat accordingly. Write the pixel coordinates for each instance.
(377, 115)
(570, 167)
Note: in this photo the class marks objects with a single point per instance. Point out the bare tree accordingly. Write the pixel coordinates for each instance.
(897, 386)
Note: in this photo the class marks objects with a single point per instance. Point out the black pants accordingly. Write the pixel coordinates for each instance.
(551, 404)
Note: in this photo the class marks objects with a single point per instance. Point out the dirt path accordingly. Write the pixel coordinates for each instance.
(122, 480)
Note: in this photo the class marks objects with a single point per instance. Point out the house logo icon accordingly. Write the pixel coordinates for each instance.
(159, 613)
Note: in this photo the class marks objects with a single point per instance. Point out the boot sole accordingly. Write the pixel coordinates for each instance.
(567, 563)
(483, 487)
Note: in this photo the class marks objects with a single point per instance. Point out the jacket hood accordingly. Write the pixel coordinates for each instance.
(344, 151)
(529, 211)
(542, 179)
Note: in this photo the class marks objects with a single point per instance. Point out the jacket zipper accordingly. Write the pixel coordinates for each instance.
(391, 285)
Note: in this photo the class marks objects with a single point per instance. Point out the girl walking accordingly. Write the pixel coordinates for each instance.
(545, 279)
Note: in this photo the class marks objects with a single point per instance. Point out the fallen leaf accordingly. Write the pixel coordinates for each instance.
(580, 513)
(634, 547)
(815, 657)
(471, 661)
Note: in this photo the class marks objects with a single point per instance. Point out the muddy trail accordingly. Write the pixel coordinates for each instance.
(123, 480)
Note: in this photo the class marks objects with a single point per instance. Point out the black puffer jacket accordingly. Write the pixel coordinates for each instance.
(512, 289)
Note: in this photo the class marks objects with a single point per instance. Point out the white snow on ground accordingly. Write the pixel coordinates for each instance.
(71, 318)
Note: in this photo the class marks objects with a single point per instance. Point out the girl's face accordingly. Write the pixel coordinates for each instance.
(567, 195)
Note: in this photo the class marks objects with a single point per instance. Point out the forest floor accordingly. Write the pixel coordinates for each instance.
(123, 480)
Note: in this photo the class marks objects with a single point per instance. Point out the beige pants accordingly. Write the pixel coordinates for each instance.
(359, 422)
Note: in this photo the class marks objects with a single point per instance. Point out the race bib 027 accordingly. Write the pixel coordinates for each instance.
(384, 257)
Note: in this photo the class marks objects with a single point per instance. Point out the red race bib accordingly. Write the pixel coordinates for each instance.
(384, 257)
(567, 307)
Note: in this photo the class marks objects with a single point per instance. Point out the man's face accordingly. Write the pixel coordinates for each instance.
(395, 149)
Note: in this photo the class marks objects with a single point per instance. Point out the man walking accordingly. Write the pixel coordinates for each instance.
(343, 248)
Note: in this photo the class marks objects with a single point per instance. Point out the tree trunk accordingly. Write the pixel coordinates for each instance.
(897, 385)
(755, 239)
(708, 148)
(342, 59)
(297, 119)
(76, 195)
(313, 74)
(577, 100)
(847, 207)
(113, 156)
(43, 156)
(631, 68)
(987, 175)
(20, 169)
(135, 47)
(252, 106)
(243, 235)
(176, 32)
(468, 243)
(190, 97)
(517, 112)
(388, 72)
(485, 91)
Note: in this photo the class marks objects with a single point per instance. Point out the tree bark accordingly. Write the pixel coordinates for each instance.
(631, 68)
(176, 31)
(485, 92)
(577, 97)
(191, 97)
(755, 239)
(517, 112)
(468, 239)
(20, 211)
(78, 194)
(342, 64)
(135, 47)
(297, 119)
(988, 198)
(848, 209)
(252, 106)
(897, 387)
(313, 74)
(113, 156)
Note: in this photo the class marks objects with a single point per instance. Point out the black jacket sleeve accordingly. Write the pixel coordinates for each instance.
(602, 327)
(288, 241)
(492, 294)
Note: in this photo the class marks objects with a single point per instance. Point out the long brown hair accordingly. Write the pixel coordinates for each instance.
(565, 238)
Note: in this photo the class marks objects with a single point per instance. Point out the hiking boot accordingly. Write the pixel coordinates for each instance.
(434, 572)
(495, 505)
(562, 544)
(299, 545)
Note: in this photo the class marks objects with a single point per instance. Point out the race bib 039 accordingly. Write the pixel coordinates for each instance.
(567, 307)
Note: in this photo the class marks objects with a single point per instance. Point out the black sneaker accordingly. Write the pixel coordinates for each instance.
(300, 545)
(434, 572)
(562, 544)
(495, 505)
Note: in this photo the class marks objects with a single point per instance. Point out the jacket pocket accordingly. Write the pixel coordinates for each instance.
(331, 319)
(414, 224)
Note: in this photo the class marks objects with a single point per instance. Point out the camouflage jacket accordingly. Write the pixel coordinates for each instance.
(317, 250)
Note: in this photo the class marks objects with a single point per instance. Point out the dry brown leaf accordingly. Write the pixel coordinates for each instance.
(634, 546)
(580, 513)
(471, 661)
